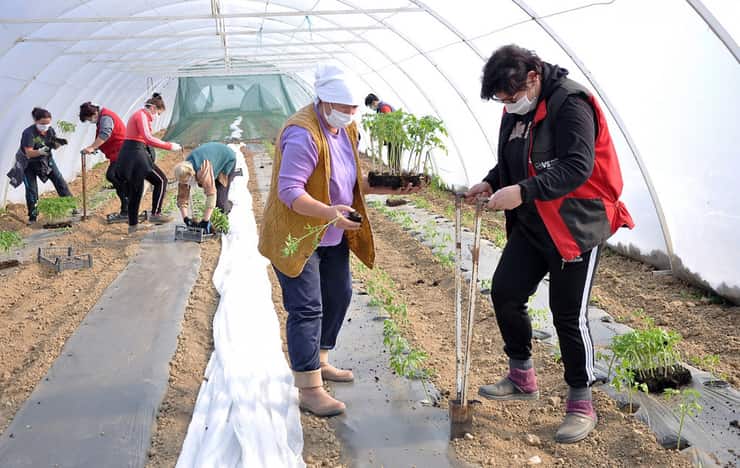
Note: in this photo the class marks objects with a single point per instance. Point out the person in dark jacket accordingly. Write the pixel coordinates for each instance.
(109, 136)
(373, 102)
(34, 159)
(558, 181)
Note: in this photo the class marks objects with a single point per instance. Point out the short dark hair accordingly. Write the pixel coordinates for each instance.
(506, 70)
(370, 98)
(87, 110)
(156, 101)
(38, 113)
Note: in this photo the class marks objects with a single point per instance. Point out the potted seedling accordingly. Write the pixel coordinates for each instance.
(688, 406)
(653, 356)
(8, 240)
(220, 221)
(290, 247)
(55, 210)
(424, 135)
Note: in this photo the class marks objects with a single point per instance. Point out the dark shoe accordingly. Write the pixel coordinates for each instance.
(133, 229)
(575, 427)
(160, 218)
(505, 389)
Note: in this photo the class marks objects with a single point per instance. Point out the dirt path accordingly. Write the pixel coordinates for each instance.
(41, 309)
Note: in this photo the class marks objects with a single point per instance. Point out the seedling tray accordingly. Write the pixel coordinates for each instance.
(192, 234)
(63, 258)
(8, 264)
(60, 225)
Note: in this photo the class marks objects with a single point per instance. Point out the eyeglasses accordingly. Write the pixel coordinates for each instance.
(512, 99)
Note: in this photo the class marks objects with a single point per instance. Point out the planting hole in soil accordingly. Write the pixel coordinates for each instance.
(657, 380)
(628, 408)
(716, 383)
(670, 442)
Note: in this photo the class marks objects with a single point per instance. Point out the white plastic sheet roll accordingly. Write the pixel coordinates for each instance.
(246, 414)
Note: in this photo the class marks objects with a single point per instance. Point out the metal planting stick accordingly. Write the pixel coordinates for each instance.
(472, 295)
(458, 296)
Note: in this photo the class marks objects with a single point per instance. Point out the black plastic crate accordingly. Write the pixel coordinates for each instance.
(192, 234)
(63, 258)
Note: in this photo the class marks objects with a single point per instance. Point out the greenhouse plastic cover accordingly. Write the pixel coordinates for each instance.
(665, 71)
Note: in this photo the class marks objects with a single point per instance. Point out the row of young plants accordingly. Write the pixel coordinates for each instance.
(405, 360)
(219, 220)
(9, 240)
(440, 241)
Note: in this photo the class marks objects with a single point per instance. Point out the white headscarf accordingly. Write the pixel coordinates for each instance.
(334, 85)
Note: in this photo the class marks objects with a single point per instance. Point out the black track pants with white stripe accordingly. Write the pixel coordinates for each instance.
(520, 270)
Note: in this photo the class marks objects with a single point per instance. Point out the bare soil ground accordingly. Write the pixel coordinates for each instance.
(502, 428)
(41, 309)
(630, 291)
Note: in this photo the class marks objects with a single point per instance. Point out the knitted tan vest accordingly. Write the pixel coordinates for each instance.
(278, 220)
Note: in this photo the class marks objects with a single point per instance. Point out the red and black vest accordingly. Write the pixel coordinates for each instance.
(590, 214)
(112, 145)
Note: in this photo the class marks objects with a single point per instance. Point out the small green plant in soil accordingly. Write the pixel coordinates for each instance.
(446, 259)
(709, 363)
(624, 380)
(66, 127)
(269, 148)
(499, 238)
(56, 208)
(538, 317)
(220, 221)
(422, 203)
(9, 239)
(687, 406)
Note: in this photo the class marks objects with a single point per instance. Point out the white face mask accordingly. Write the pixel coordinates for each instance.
(43, 127)
(522, 106)
(338, 119)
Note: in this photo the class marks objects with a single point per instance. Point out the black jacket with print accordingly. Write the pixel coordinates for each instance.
(575, 131)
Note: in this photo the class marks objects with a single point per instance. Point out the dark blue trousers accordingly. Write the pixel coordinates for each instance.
(316, 301)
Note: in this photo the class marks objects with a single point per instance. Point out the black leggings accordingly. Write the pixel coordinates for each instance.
(158, 179)
(135, 164)
(118, 184)
(521, 268)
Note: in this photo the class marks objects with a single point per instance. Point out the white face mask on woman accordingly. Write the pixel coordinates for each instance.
(338, 119)
(43, 127)
(522, 106)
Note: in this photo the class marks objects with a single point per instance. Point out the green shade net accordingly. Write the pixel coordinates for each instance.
(205, 107)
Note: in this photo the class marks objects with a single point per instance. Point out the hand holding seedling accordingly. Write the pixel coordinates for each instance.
(506, 198)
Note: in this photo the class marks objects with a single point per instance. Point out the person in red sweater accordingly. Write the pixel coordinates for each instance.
(109, 136)
(136, 162)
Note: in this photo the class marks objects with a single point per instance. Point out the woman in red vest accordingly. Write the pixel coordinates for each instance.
(557, 178)
(109, 136)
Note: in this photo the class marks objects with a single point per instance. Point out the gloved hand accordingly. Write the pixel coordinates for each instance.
(44, 151)
(188, 222)
(176, 147)
(206, 226)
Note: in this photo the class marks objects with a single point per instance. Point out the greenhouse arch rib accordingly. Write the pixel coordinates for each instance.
(716, 27)
(617, 118)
